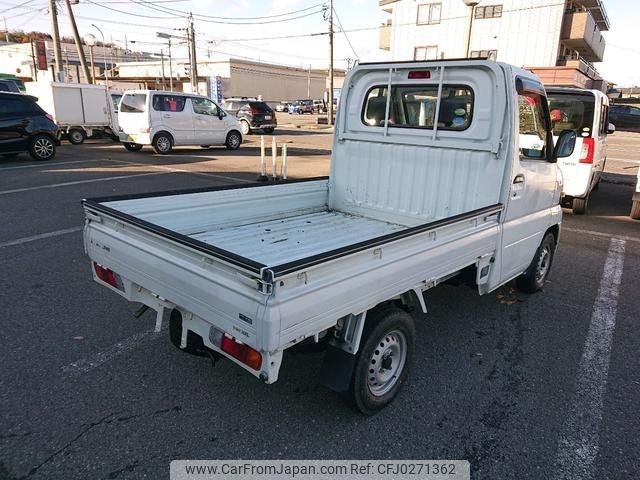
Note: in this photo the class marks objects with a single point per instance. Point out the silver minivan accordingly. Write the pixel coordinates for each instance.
(167, 119)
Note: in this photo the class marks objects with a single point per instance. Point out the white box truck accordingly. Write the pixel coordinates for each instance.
(80, 110)
(439, 169)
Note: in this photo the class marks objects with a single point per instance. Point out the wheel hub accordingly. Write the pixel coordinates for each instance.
(387, 362)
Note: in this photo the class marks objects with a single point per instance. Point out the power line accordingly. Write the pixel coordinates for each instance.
(173, 17)
(19, 5)
(152, 5)
(345, 34)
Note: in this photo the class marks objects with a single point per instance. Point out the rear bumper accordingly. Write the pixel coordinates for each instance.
(140, 138)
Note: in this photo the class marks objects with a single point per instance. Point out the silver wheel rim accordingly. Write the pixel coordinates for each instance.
(164, 144)
(43, 148)
(387, 362)
(543, 263)
(245, 128)
(234, 141)
(76, 136)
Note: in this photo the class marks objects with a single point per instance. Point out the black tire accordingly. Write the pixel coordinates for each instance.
(76, 136)
(383, 359)
(579, 205)
(245, 128)
(635, 210)
(162, 143)
(535, 276)
(268, 130)
(233, 141)
(42, 147)
(132, 147)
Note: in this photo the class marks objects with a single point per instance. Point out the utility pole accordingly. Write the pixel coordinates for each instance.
(162, 62)
(170, 67)
(6, 30)
(309, 82)
(55, 34)
(194, 62)
(76, 37)
(330, 106)
(33, 60)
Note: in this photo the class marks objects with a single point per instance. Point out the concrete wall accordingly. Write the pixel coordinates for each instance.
(527, 33)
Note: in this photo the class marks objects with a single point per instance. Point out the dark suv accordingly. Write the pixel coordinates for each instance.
(252, 115)
(25, 127)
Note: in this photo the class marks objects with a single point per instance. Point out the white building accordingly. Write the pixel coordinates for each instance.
(529, 33)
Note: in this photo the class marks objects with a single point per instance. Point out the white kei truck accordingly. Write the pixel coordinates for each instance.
(80, 109)
(439, 169)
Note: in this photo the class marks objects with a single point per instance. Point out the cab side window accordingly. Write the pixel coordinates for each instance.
(534, 128)
(168, 103)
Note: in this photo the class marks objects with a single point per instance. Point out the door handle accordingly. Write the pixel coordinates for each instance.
(166, 116)
(519, 179)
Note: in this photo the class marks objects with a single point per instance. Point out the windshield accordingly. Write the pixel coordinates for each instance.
(572, 111)
(116, 100)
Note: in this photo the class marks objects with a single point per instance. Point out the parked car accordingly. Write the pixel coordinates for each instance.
(301, 106)
(25, 127)
(319, 106)
(283, 107)
(585, 112)
(9, 86)
(167, 119)
(19, 83)
(252, 115)
(338, 263)
(625, 117)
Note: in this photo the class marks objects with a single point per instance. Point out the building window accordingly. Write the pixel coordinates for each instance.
(426, 53)
(492, 54)
(429, 13)
(489, 11)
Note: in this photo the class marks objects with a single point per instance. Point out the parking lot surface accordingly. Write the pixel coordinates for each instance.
(507, 381)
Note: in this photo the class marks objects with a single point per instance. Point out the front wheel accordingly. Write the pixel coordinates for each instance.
(76, 136)
(535, 276)
(233, 141)
(42, 147)
(384, 358)
(245, 127)
(132, 147)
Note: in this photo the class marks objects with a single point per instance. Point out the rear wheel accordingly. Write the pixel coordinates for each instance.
(245, 127)
(76, 136)
(534, 277)
(580, 205)
(635, 210)
(42, 147)
(233, 141)
(132, 147)
(384, 358)
(162, 143)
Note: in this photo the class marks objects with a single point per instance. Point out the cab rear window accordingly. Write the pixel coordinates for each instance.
(414, 106)
(133, 103)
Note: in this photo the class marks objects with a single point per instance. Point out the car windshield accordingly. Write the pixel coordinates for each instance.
(133, 102)
(572, 111)
(116, 100)
(260, 107)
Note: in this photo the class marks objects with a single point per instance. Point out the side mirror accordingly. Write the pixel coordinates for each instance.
(565, 144)
(611, 128)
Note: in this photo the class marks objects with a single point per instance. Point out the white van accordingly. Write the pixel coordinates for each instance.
(587, 113)
(168, 119)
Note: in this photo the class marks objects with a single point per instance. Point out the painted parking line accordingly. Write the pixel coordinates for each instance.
(53, 164)
(41, 236)
(77, 182)
(601, 234)
(580, 436)
(85, 365)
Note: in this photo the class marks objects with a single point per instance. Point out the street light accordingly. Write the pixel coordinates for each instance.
(104, 53)
(167, 37)
(471, 4)
(90, 40)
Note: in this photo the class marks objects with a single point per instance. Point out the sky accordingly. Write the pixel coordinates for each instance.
(305, 44)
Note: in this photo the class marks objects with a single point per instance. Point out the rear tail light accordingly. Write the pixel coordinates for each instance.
(588, 147)
(419, 74)
(255, 111)
(145, 129)
(240, 351)
(108, 276)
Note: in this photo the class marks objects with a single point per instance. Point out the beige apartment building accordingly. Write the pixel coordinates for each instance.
(560, 40)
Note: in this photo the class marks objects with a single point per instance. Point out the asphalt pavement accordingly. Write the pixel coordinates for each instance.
(89, 391)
